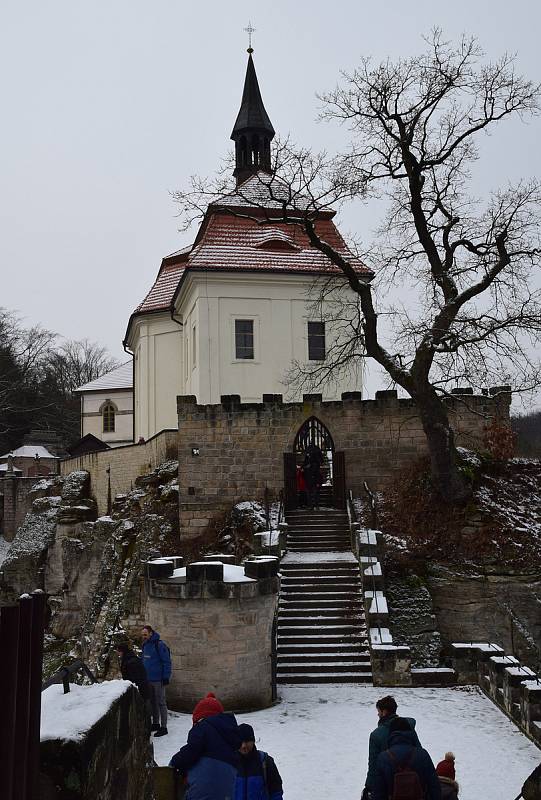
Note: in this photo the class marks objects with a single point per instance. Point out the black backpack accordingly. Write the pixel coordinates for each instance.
(406, 782)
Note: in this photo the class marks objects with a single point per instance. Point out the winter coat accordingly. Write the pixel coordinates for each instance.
(251, 784)
(132, 669)
(156, 659)
(379, 741)
(210, 758)
(403, 745)
(449, 788)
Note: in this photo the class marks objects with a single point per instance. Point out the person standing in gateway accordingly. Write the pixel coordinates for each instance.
(157, 662)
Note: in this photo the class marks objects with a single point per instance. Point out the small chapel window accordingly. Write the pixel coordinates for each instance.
(108, 417)
(244, 338)
(316, 341)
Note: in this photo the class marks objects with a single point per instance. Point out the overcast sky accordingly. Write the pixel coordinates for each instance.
(109, 106)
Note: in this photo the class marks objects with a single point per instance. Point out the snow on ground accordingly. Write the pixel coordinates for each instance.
(319, 738)
(70, 716)
(4, 547)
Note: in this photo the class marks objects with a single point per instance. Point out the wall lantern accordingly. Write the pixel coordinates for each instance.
(195, 451)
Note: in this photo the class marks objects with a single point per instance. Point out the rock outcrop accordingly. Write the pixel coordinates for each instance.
(91, 569)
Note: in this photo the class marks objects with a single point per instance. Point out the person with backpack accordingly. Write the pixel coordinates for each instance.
(157, 663)
(446, 776)
(209, 760)
(258, 777)
(405, 770)
(386, 709)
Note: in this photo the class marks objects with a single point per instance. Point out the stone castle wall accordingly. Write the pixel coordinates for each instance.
(122, 465)
(220, 636)
(232, 451)
(14, 490)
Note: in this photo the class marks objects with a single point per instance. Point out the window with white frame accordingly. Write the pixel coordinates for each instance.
(244, 339)
(316, 341)
(108, 417)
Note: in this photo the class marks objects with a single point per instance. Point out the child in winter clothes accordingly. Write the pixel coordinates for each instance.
(258, 777)
(210, 758)
(446, 775)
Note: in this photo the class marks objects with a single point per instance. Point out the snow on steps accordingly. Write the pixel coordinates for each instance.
(322, 635)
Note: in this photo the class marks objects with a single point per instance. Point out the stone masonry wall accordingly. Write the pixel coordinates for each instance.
(219, 644)
(230, 452)
(122, 465)
(17, 502)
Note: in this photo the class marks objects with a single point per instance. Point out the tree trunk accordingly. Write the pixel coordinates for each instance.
(448, 480)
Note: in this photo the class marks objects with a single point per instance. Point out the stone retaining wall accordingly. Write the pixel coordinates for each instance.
(109, 761)
(16, 502)
(114, 471)
(232, 451)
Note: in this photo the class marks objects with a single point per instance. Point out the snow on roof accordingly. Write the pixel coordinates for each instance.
(70, 716)
(228, 242)
(30, 451)
(3, 467)
(119, 378)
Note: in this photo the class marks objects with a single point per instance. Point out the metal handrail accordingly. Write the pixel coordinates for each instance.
(63, 675)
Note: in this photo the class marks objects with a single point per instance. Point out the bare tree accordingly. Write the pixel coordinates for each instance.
(76, 362)
(465, 264)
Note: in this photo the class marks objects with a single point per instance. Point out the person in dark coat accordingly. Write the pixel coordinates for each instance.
(311, 471)
(132, 669)
(157, 663)
(210, 758)
(404, 751)
(379, 738)
(446, 776)
(258, 777)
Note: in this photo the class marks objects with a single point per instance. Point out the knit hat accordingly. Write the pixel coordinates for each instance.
(446, 768)
(246, 733)
(207, 707)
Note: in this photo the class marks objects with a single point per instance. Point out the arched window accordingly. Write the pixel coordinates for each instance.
(108, 417)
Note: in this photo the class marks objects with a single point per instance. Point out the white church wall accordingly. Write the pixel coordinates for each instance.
(92, 419)
(156, 341)
(280, 307)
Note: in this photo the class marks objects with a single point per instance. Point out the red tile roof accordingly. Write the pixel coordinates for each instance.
(233, 243)
(161, 294)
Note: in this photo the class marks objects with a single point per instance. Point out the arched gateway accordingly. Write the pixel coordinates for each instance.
(314, 433)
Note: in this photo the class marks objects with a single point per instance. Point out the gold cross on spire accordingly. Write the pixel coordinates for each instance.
(249, 30)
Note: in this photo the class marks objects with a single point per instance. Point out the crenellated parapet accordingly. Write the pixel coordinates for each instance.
(218, 620)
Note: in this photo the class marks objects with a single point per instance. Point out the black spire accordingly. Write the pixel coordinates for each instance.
(253, 131)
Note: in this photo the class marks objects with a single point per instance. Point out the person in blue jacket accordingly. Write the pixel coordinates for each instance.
(157, 663)
(257, 778)
(404, 752)
(210, 758)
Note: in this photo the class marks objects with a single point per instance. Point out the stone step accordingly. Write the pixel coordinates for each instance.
(292, 582)
(328, 597)
(286, 659)
(325, 615)
(342, 566)
(332, 677)
(294, 637)
(333, 650)
(309, 608)
(322, 667)
(336, 627)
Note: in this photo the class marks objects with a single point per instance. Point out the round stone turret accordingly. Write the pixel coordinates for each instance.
(218, 621)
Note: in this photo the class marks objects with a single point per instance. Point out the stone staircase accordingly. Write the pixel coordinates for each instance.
(322, 636)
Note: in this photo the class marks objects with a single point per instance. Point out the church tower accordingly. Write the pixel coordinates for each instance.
(253, 131)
